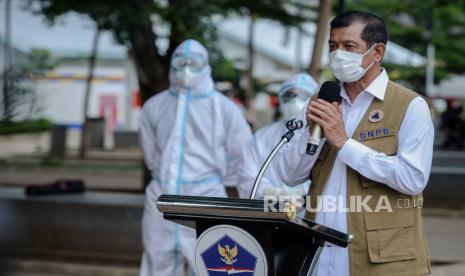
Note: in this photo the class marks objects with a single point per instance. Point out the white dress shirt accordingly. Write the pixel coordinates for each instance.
(407, 172)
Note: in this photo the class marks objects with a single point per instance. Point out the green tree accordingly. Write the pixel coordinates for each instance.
(22, 99)
(286, 12)
(408, 22)
(134, 24)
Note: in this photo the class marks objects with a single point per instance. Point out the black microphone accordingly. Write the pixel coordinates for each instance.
(330, 91)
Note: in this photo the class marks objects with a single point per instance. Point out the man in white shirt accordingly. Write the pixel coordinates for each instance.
(357, 45)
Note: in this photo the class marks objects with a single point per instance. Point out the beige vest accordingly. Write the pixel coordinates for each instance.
(385, 243)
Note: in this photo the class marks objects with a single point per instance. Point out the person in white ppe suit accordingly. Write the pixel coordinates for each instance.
(293, 97)
(192, 138)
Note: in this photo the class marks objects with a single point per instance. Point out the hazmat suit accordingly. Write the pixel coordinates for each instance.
(293, 98)
(192, 138)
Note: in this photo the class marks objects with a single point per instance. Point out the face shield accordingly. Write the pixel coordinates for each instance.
(187, 68)
(195, 62)
(292, 102)
(293, 93)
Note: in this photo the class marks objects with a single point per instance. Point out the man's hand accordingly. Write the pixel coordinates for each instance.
(329, 117)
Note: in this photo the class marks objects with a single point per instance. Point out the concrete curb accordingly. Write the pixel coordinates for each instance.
(433, 212)
(12, 267)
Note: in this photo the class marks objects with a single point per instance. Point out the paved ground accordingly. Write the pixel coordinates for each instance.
(125, 176)
(39, 144)
(32, 268)
(11, 145)
(47, 268)
(22, 161)
(449, 270)
(445, 236)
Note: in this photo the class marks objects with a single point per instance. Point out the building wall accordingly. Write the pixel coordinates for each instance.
(265, 68)
(62, 91)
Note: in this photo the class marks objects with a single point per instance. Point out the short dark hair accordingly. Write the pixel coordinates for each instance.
(375, 30)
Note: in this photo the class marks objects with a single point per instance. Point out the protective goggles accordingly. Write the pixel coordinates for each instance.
(293, 93)
(195, 62)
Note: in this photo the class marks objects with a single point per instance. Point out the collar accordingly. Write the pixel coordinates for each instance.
(377, 87)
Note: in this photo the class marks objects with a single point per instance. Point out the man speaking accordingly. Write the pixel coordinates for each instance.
(374, 159)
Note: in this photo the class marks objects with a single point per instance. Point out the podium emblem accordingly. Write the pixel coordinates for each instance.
(227, 257)
(228, 250)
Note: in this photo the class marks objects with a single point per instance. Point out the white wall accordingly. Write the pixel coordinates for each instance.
(62, 93)
(265, 68)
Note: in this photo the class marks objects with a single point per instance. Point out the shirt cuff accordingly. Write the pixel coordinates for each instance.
(353, 152)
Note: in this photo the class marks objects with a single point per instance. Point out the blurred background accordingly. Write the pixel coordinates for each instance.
(74, 75)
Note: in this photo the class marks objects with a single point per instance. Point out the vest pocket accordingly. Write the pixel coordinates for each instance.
(367, 183)
(387, 145)
(390, 236)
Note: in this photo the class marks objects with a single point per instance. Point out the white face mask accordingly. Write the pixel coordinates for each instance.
(186, 78)
(347, 66)
(292, 109)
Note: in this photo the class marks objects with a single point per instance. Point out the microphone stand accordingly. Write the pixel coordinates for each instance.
(291, 125)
